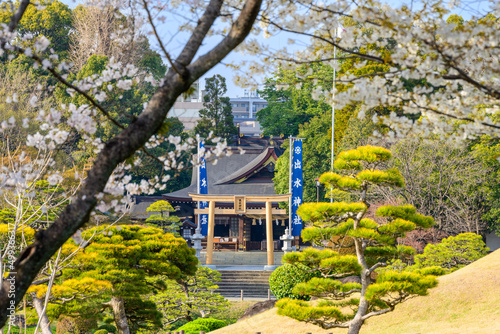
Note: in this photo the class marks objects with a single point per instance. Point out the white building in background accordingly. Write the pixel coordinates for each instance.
(244, 111)
(186, 109)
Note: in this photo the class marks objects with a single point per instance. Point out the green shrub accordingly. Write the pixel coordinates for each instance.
(453, 253)
(191, 328)
(110, 328)
(210, 323)
(286, 277)
(101, 331)
(69, 325)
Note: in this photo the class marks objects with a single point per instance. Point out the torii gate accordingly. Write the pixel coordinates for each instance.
(240, 207)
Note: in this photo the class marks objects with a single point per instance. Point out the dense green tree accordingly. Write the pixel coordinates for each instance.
(375, 241)
(54, 22)
(216, 116)
(316, 157)
(152, 168)
(290, 102)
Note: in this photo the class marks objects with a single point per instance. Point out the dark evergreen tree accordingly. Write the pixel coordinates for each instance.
(217, 115)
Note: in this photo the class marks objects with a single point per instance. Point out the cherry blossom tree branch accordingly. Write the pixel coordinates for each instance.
(326, 40)
(124, 144)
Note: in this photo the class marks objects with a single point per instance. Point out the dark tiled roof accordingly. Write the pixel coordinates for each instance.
(140, 204)
(228, 169)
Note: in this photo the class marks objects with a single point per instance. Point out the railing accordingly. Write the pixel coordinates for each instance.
(268, 295)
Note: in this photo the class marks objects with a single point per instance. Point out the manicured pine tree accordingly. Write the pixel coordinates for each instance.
(374, 242)
(164, 220)
(190, 296)
(128, 257)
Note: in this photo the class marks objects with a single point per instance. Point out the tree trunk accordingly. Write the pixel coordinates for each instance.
(357, 321)
(177, 80)
(44, 320)
(190, 306)
(118, 306)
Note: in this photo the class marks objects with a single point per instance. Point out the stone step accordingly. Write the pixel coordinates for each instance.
(256, 277)
(255, 284)
(241, 258)
(244, 286)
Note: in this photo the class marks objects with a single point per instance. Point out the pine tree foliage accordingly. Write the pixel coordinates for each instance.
(122, 259)
(189, 296)
(163, 219)
(348, 303)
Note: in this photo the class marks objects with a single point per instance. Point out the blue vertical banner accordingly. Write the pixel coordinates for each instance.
(297, 187)
(203, 188)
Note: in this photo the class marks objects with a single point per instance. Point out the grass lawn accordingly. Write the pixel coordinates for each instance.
(234, 312)
(464, 302)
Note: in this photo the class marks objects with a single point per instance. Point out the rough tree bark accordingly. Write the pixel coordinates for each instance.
(123, 145)
(44, 322)
(118, 306)
(356, 323)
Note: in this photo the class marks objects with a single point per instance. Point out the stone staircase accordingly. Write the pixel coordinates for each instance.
(231, 258)
(255, 284)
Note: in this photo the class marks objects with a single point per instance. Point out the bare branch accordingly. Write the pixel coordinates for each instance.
(167, 55)
(124, 145)
(360, 55)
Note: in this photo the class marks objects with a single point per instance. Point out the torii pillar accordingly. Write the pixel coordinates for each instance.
(269, 237)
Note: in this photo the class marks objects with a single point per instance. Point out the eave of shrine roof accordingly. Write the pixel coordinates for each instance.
(247, 170)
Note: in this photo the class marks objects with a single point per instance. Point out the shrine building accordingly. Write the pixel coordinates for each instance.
(246, 174)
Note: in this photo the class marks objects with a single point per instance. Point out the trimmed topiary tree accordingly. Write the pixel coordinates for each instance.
(101, 331)
(347, 303)
(210, 323)
(164, 220)
(108, 327)
(286, 277)
(191, 328)
(453, 253)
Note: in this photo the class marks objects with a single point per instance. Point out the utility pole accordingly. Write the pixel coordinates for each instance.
(333, 109)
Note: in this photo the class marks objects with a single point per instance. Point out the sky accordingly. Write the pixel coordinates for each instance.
(281, 40)
(169, 32)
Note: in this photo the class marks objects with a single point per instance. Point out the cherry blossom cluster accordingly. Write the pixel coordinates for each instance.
(55, 125)
(445, 71)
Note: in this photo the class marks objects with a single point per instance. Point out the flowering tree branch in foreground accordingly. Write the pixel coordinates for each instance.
(121, 146)
(436, 72)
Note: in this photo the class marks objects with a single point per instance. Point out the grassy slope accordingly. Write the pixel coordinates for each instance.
(466, 301)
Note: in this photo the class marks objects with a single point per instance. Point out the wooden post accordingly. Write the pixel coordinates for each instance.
(241, 227)
(210, 234)
(269, 233)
